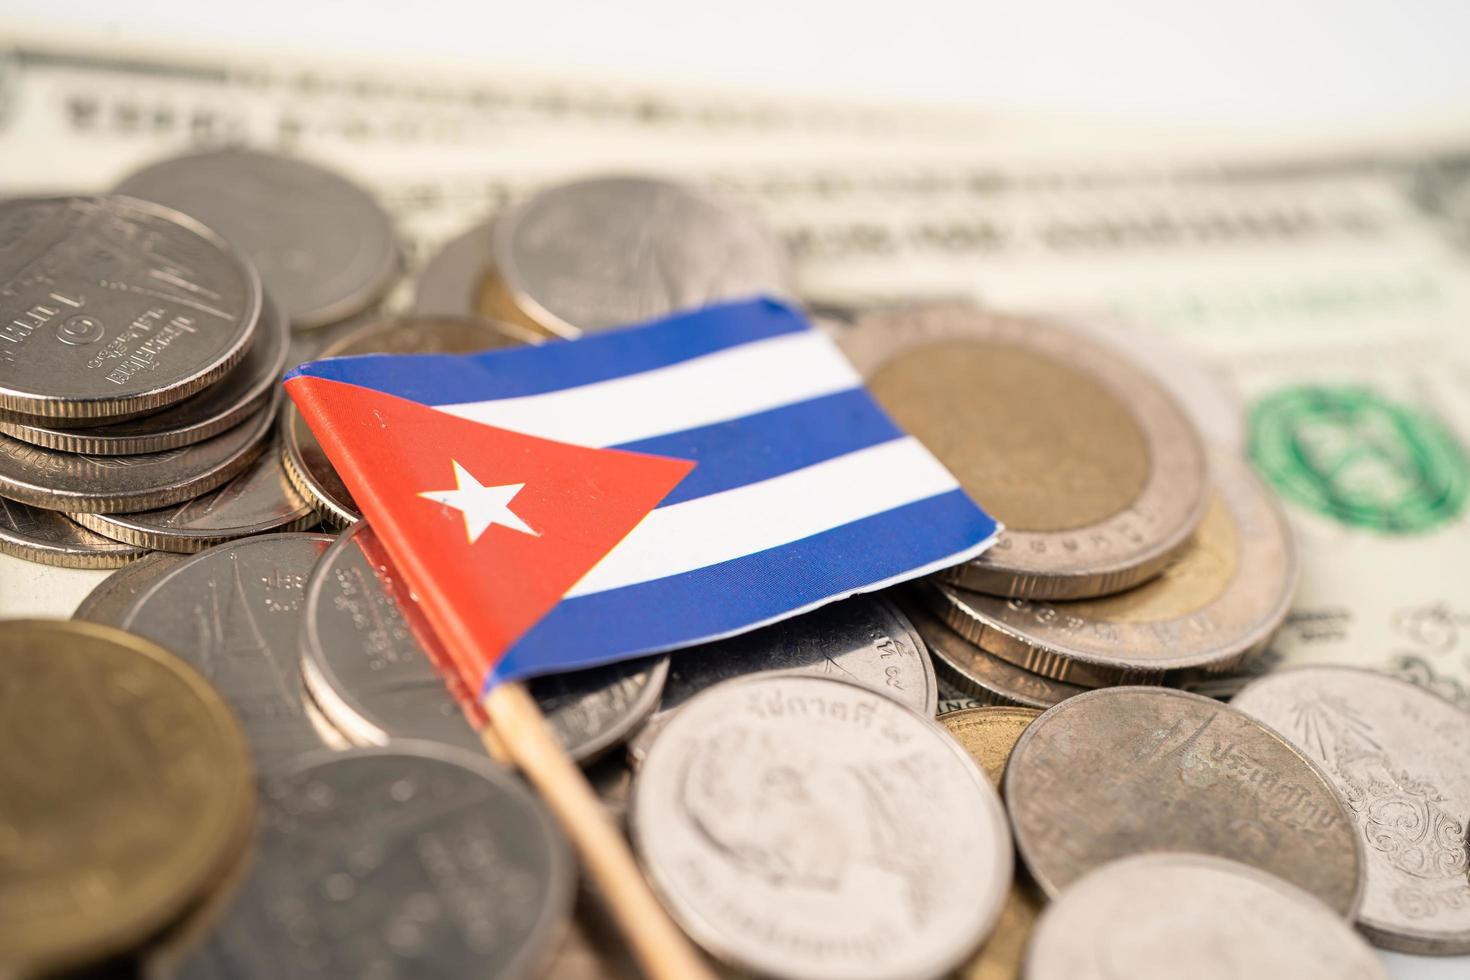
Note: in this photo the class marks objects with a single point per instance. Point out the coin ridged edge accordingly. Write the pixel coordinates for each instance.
(331, 515)
(180, 542)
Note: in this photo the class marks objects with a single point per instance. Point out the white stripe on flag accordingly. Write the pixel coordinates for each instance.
(721, 526)
(727, 384)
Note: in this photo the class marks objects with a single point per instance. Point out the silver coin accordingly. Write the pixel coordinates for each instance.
(233, 613)
(325, 248)
(421, 863)
(606, 251)
(1400, 757)
(803, 827)
(247, 387)
(449, 283)
(78, 482)
(107, 602)
(1168, 915)
(110, 307)
(258, 500)
(369, 658)
(54, 539)
(863, 640)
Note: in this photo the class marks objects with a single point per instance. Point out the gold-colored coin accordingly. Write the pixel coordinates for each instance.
(125, 790)
(989, 734)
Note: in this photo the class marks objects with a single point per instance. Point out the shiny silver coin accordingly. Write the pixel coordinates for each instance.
(607, 251)
(107, 602)
(863, 640)
(247, 387)
(306, 463)
(82, 483)
(369, 659)
(53, 539)
(324, 246)
(449, 283)
(110, 307)
(233, 613)
(1169, 915)
(802, 827)
(258, 500)
(1400, 757)
(422, 862)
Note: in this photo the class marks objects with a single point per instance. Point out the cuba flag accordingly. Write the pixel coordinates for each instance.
(642, 489)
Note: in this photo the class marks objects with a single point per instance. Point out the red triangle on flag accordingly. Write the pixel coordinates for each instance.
(490, 527)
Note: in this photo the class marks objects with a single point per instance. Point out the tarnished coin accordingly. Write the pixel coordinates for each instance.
(421, 862)
(247, 387)
(324, 247)
(106, 603)
(80, 483)
(803, 827)
(124, 787)
(607, 251)
(1170, 915)
(1096, 473)
(110, 307)
(307, 465)
(863, 640)
(1219, 600)
(1400, 757)
(233, 612)
(55, 539)
(369, 659)
(988, 679)
(1123, 770)
(258, 500)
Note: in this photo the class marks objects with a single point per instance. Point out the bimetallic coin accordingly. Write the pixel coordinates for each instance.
(110, 307)
(306, 463)
(977, 674)
(1096, 473)
(233, 612)
(259, 500)
(1400, 757)
(1219, 600)
(125, 789)
(1124, 770)
(369, 658)
(79, 483)
(110, 599)
(247, 387)
(422, 862)
(1164, 916)
(324, 247)
(607, 251)
(55, 539)
(804, 827)
(864, 640)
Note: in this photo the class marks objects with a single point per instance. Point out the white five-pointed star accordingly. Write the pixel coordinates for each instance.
(479, 505)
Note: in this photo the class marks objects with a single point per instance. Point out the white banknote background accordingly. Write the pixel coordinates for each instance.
(1237, 270)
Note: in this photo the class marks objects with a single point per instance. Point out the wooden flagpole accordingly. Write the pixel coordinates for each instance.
(519, 732)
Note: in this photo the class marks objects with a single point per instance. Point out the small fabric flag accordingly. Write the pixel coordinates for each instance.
(641, 489)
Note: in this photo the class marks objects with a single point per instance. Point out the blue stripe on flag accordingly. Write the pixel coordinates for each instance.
(452, 379)
(757, 588)
(757, 447)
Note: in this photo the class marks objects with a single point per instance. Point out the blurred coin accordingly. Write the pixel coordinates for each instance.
(77, 482)
(306, 463)
(607, 251)
(233, 612)
(1219, 600)
(369, 659)
(989, 734)
(55, 539)
(1097, 475)
(863, 640)
(422, 861)
(247, 387)
(325, 248)
(449, 283)
(111, 307)
(1163, 916)
(1400, 757)
(1123, 770)
(258, 500)
(106, 603)
(977, 674)
(123, 788)
(804, 827)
